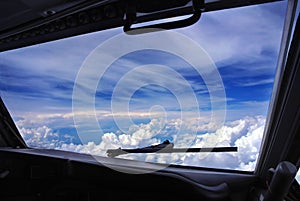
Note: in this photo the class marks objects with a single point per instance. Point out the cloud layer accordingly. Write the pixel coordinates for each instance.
(244, 133)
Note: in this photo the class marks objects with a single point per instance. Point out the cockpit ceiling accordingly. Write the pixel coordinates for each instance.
(28, 22)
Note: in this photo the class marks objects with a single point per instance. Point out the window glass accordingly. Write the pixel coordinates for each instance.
(207, 85)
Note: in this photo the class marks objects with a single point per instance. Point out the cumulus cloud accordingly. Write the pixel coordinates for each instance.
(40, 137)
(245, 133)
(298, 176)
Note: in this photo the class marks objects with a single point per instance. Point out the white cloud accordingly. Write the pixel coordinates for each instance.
(255, 83)
(243, 36)
(40, 137)
(298, 176)
(245, 133)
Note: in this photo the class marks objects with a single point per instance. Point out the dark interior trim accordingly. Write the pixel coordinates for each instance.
(91, 16)
(283, 137)
(49, 173)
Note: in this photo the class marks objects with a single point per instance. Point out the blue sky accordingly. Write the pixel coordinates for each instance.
(37, 86)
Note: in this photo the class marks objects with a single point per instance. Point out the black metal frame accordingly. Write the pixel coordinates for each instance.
(282, 137)
(102, 15)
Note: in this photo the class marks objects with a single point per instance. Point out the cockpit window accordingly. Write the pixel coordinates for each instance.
(207, 85)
